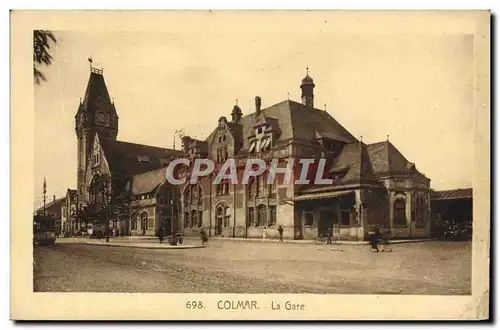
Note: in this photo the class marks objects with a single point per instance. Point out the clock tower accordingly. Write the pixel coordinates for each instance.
(96, 114)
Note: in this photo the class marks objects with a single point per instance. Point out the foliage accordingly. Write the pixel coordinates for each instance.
(41, 52)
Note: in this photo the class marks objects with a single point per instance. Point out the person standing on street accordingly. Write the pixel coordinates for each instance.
(375, 239)
(159, 233)
(203, 236)
(280, 232)
(329, 236)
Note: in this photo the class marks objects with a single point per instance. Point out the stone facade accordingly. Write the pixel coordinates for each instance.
(372, 184)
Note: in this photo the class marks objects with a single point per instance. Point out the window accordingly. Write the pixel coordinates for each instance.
(144, 220)
(399, 212)
(261, 186)
(222, 189)
(64, 212)
(309, 219)
(223, 216)
(251, 188)
(186, 219)
(345, 217)
(200, 218)
(95, 159)
(143, 159)
(133, 222)
(272, 219)
(194, 219)
(420, 212)
(261, 215)
(251, 218)
(222, 155)
(272, 188)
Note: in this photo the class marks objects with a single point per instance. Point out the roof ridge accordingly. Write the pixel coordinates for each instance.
(144, 145)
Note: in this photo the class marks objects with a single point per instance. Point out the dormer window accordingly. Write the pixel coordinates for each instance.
(144, 159)
(222, 155)
(95, 159)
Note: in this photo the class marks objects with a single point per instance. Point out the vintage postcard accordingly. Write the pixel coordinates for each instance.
(250, 165)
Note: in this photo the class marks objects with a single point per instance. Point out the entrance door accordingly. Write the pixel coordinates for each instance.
(218, 227)
(326, 219)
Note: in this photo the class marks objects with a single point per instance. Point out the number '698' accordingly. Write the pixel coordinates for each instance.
(194, 305)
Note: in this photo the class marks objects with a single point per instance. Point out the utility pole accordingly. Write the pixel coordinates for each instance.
(44, 195)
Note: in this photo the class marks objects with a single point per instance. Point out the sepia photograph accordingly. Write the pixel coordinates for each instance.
(271, 156)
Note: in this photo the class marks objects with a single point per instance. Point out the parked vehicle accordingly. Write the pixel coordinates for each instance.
(454, 232)
(44, 230)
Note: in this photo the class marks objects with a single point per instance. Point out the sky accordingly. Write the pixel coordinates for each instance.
(415, 87)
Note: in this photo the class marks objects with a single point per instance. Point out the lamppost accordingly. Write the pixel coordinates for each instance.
(173, 236)
(107, 196)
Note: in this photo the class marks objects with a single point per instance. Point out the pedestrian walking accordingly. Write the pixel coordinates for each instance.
(159, 233)
(203, 236)
(280, 232)
(375, 238)
(329, 236)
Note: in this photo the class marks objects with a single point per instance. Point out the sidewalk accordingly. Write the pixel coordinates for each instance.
(164, 245)
(138, 242)
(267, 240)
(145, 241)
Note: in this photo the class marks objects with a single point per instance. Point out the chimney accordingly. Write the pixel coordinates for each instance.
(257, 105)
(54, 198)
(186, 141)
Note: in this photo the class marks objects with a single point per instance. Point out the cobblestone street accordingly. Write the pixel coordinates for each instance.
(256, 267)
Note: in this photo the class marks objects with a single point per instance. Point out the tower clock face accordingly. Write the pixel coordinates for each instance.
(102, 119)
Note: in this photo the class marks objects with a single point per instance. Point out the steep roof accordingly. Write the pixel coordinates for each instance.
(387, 160)
(355, 163)
(452, 194)
(96, 95)
(56, 203)
(147, 182)
(295, 121)
(128, 159)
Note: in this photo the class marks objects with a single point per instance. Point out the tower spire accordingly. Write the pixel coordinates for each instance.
(307, 87)
(90, 63)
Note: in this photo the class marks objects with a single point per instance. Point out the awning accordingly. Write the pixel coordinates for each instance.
(324, 195)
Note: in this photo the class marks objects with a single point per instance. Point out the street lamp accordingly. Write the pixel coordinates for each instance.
(173, 236)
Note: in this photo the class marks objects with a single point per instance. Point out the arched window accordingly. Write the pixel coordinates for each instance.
(223, 216)
(144, 220)
(193, 206)
(261, 215)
